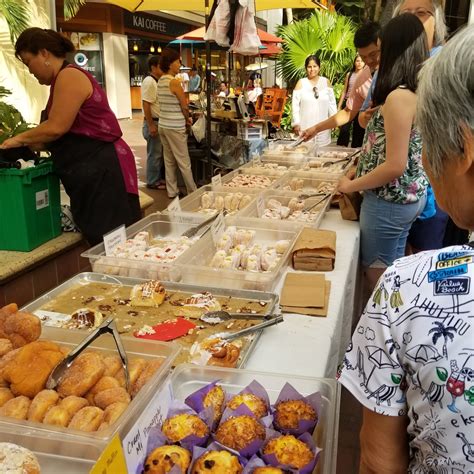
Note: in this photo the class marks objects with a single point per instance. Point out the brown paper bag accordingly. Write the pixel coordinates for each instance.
(314, 250)
(349, 205)
(303, 289)
(310, 310)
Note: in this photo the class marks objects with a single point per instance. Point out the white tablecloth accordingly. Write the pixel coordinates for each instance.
(314, 346)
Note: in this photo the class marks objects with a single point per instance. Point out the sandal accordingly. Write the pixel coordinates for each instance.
(160, 186)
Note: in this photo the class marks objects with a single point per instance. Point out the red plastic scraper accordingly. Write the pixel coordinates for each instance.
(170, 330)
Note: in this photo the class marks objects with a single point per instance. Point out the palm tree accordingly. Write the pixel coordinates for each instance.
(17, 15)
(326, 34)
(445, 332)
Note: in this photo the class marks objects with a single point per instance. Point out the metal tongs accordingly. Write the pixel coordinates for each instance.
(108, 326)
(298, 141)
(250, 330)
(194, 230)
(347, 158)
(327, 196)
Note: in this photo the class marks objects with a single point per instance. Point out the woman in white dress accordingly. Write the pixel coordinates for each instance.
(313, 101)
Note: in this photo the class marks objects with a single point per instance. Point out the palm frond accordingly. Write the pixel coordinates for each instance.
(4, 91)
(71, 7)
(15, 13)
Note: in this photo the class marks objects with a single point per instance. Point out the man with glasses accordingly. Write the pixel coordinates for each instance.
(367, 42)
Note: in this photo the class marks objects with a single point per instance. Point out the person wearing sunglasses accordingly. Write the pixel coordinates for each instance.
(312, 101)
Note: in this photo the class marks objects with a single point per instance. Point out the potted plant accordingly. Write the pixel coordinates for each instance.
(12, 123)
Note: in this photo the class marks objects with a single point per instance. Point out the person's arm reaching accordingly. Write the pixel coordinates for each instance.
(398, 113)
(384, 444)
(337, 120)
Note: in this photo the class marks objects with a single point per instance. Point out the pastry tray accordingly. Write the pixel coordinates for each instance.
(270, 299)
(194, 264)
(192, 202)
(252, 211)
(310, 183)
(149, 350)
(159, 226)
(186, 379)
(245, 171)
(255, 167)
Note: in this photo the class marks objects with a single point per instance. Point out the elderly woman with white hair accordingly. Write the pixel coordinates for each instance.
(411, 359)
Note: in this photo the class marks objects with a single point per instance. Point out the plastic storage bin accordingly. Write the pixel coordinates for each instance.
(30, 210)
(135, 348)
(186, 379)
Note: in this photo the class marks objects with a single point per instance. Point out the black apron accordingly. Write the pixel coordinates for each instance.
(90, 172)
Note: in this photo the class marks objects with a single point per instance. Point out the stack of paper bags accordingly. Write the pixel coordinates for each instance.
(305, 293)
(315, 250)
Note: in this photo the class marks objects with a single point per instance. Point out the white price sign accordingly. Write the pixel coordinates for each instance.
(174, 206)
(217, 228)
(113, 238)
(216, 180)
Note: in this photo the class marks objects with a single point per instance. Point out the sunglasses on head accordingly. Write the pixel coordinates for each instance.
(316, 92)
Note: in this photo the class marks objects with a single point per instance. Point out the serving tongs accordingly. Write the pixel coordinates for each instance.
(250, 330)
(327, 196)
(194, 230)
(297, 142)
(221, 316)
(347, 158)
(108, 326)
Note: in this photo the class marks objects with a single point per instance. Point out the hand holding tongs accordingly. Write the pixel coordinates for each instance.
(298, 141)
(327, 196)
(194, 230)
(108, 326)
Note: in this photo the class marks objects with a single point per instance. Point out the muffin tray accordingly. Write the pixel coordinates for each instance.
(161, 227)
(134, 348)
(186, 379)
(267, 301)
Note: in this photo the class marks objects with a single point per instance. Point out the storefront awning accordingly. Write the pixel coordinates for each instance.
(198, 35)
(200, 6)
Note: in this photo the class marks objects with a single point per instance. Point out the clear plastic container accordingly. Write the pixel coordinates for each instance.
(192, 202)
(268, 167)
(300, 182)
(135, 348)
(227, 179)
(186, 379)
(256, 208)
(54, 455)
(194, 265)
(159, 226)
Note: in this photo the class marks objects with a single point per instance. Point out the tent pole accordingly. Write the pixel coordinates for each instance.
(208, 98)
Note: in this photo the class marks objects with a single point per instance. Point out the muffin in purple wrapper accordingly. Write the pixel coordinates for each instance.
(254, 396)
(184, 427)
(295, 414)
(298, 455)
(241, 431)
(215, 459)
(163, 458)
(256, 465)
(211, 397)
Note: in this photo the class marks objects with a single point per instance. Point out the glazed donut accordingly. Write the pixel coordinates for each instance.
(83, 374)
(43, 401)
(112, 395)
(57, 416)
(104, 383)
(87, 419)
(73, 404)
(112, 365)
(16, 408)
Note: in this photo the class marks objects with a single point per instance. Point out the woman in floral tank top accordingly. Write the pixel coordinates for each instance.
(390, 172)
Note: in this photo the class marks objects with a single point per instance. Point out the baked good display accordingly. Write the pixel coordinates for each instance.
(5, 346)
(73, 404)
(255, 404)
(112, 395)
(259, 167)
(268, 470)
(5, 395)
(216, 352)
(113, 412)
(145, 375)
(161, 460)
(58, 416)
(30, 367)
(242, 180)
(114, 299)
(85, 371)
(239, 431)
(85, 318)
(211, 202)
(310, 186)
(104, 383)
(293, 210)
(217, 462)
(289, 413)
(150, 293)
(183, 425)
(42, 402)
(215, 398)
(289, 451)
(17, 459)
